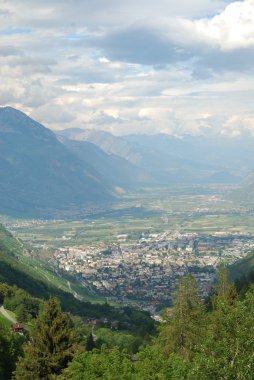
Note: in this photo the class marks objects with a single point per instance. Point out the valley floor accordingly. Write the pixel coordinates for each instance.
(135, 252)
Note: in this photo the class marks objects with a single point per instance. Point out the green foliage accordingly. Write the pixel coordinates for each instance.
(20, 302)
(179, 329)
(244, 282)
(227, 350)
(5, 291)
(192, 343)
(21, 313)
(51, 348)
(106, 365)
(153, 364)
(10, 349)
(123, 340)
(242, 267)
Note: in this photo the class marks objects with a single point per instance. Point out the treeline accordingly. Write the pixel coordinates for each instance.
(195, 340)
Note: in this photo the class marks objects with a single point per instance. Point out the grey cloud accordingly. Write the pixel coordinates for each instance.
(99, 14)
(31, 65)
(209, 62)
(149, 47)
(7, 51)
(4, 12)
(85, 75)
(141, 45)
(239, 60)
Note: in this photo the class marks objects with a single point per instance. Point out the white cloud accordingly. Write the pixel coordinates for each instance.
(136, 66)
(231, 29)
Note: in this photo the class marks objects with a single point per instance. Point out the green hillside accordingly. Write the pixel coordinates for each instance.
(242, 267)
(13, 269)
(16, 256)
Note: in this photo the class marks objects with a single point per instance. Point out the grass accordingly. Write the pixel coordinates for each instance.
(5, 322)
(11, 314)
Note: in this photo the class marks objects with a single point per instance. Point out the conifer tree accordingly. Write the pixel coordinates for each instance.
(10, 349)
(225, 291)
(184, 326)
(21, 313)
(51, 345)
(90, 345)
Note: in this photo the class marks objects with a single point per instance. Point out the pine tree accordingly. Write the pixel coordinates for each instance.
(21, 313)
(10, 349)
(90, 345)
(184, 326)
(51, 348)
(225, 292)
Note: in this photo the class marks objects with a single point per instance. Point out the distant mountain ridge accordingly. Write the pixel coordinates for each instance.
(165, 159)
(109, 143)
(114, 170)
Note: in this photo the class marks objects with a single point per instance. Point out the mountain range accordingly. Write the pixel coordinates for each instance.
(163, 159)
(42, 171)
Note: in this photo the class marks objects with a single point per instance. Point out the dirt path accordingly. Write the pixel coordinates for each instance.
(6, 315)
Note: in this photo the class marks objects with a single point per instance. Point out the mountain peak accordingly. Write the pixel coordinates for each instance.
(11, 111)
(15, 121)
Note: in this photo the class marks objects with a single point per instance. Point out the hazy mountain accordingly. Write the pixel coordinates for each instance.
(112, 169)
(167, 159)
(106, 141)
(38, 172)
(244, 194)
(210, 158)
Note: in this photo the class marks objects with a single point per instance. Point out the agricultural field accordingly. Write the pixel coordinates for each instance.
(188, 209)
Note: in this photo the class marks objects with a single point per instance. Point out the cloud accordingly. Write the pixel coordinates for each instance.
(143, 45)
(4, 12)
(7, 51)
(231, 29)
(224, 41)
(128, 67)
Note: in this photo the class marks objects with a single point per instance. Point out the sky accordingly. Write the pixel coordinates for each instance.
(137, 66)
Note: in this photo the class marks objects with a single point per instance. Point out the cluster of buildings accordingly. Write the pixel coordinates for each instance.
(146, 273)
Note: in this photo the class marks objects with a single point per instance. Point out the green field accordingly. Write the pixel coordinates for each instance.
(197, 209)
